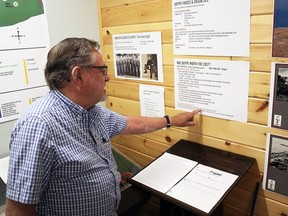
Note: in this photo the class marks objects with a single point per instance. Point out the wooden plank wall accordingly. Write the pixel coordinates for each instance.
(131, 16)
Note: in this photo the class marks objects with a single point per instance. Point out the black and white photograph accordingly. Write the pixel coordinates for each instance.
(149, 62)
(278, 100)
(276, 164)
(128, 65)
(282, 84)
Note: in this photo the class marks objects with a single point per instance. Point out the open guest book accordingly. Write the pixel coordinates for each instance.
(193, 177)
(186, 180)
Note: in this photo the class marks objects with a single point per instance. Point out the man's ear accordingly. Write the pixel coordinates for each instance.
(76, 75)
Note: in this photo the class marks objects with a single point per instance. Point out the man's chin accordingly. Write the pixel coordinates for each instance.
(104, 97)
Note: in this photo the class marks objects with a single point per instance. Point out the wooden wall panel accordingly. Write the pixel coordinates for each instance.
(259, 85)
(133, 16)
(149, 147)
(261, 29)
(258, 111)
(143, 12)
(114, 3)
(261, 7)
(140, 158)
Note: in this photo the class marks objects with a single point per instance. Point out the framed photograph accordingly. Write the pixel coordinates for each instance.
(280, 29)
(278, 115)
(276, 164)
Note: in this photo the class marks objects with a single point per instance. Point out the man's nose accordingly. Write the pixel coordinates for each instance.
(107, 78)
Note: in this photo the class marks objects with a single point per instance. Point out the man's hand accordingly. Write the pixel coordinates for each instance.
(14, 208)
(142, 124)
(184, 119)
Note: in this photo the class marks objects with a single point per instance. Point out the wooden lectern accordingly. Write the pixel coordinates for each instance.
(215, 158)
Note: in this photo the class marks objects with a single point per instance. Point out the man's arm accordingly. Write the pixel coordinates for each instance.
(141, 124)
(14, 208)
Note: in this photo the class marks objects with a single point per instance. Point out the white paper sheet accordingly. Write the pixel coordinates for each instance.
(218, 28)
(152, 100)
(12, 104)
(213, 86)
(203, 187)
(4, 162)
(165, 172)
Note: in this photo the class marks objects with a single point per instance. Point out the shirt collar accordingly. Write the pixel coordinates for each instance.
(73, 107)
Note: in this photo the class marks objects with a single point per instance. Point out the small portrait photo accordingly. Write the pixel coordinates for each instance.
(271, 184)
(277, 120)
(149, 64)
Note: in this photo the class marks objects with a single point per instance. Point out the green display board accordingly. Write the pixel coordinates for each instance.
(15, 11)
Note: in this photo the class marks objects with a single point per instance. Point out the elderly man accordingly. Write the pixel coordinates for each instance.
(61, 161)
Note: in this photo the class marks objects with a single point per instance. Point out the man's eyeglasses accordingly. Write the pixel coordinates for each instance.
(104, 67)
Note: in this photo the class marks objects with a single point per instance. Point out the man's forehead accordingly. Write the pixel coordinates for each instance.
(98, 58)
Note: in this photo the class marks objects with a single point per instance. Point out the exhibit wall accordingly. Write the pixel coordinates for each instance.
(60, 26)
(246, 138)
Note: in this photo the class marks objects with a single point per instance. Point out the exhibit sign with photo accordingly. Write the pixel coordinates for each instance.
(280, 29)
(214, 28)
(138, 56)
(213, 86)
(278, 100)
(276, 164)
(24, 46)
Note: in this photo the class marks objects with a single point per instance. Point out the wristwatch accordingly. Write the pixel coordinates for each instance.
(168, 121)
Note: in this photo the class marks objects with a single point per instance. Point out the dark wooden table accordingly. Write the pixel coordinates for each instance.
(132, 201)
(219, 159)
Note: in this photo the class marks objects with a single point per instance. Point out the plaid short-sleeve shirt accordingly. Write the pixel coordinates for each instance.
(61, 158)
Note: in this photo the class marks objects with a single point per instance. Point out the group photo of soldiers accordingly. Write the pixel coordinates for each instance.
(137, 66)
(128, 65)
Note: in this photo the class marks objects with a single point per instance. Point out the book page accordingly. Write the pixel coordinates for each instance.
(165, 172)
(203, 187)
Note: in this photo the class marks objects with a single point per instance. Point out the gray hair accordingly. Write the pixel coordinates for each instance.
(64, 56)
